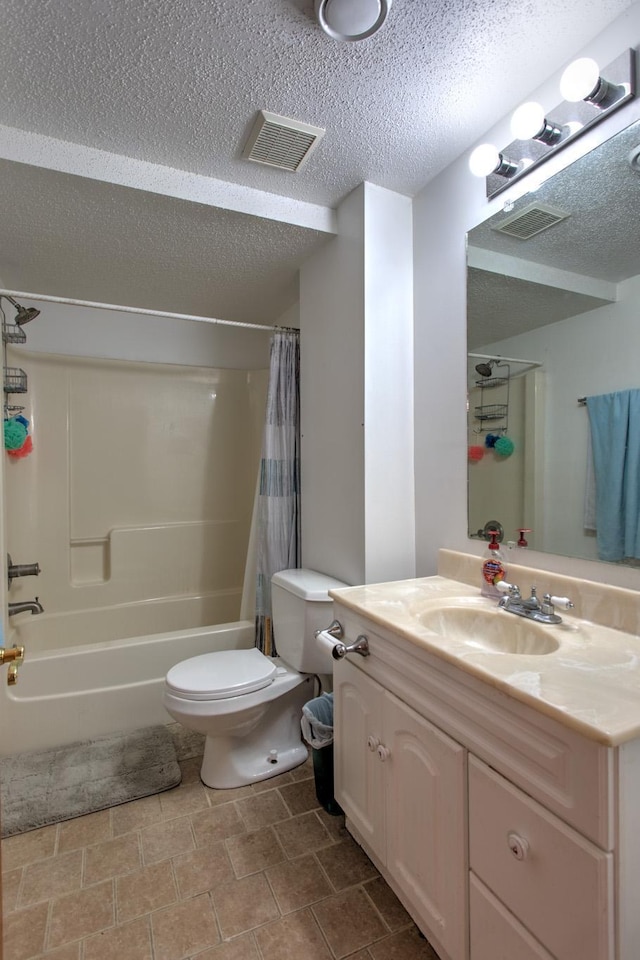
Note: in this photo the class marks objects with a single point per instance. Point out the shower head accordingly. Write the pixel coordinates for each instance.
(24, 314)
(484, 369)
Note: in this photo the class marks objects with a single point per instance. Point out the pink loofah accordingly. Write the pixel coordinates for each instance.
(22, 451)
(476, 453)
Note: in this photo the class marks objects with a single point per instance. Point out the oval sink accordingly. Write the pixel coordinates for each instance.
(488, 630)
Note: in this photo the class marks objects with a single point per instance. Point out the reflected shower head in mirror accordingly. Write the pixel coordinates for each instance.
(484, 369)
(24, 314)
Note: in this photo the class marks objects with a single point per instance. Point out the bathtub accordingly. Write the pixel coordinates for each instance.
(70, 692)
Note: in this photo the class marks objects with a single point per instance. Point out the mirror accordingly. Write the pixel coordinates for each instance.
(553, 297)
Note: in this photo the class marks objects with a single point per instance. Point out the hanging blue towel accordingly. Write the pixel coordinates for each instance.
(614, 419)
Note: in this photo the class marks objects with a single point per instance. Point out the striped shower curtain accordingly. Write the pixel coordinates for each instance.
(278, 526)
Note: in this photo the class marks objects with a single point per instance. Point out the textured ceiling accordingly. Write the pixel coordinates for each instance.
(96, 241)
(179, 84)
(499, 307)
(599, 240)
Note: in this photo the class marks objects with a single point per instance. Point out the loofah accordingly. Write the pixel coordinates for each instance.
(22, 451)
(15, 434)
(490, 440)
(504, 446)
(476, 453)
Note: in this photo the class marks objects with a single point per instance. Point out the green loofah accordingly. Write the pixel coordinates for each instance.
(15, 434)
(504, 446)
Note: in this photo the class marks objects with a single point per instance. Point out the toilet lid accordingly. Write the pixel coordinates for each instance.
(227, 673)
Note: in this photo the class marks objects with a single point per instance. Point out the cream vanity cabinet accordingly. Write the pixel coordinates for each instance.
(506, 834)
(401, 783)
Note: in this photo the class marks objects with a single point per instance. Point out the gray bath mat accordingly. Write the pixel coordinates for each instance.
(52, 785)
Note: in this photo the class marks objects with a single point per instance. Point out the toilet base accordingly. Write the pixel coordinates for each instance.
(242, 767)
(268, 742)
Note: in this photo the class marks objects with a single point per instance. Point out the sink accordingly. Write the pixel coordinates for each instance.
(488, 629)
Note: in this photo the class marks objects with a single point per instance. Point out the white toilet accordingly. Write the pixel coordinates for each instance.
(248, 705)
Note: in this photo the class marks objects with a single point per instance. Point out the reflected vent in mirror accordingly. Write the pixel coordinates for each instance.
(531, 220)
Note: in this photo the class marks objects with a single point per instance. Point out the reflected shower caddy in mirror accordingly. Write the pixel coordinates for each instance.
(493, 412)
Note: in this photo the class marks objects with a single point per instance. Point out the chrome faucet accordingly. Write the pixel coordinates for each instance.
(532, 608)
(24, 606)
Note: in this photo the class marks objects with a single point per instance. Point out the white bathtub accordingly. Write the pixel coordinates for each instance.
(69, 693)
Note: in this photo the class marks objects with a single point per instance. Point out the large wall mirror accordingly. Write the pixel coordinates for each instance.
(553, 318)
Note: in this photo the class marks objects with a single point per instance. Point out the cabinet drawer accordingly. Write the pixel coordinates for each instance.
(495, 933)
(557, 883)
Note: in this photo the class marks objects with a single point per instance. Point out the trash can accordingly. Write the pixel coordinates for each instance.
(317, 731)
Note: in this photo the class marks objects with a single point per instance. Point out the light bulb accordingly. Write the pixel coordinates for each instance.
(354, 18)
(484, 160)
(579, 79)
(527, 120)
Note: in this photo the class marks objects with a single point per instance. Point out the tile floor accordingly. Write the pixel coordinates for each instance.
(257, 873)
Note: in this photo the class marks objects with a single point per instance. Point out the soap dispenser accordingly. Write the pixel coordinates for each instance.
(492, 568)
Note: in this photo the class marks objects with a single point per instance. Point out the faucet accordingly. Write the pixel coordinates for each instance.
(21, 569)
(24, 606)
(532, 608)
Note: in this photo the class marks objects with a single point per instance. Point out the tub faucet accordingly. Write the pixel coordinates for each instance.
(24, 606)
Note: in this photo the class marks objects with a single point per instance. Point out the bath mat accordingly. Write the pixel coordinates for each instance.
(48, 786)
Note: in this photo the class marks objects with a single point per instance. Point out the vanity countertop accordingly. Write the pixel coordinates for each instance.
(591, 682)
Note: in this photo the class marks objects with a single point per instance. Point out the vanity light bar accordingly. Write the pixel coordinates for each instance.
(590, 96)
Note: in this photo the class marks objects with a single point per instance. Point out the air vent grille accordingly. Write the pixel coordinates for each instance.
(531, 220)
(281, 142)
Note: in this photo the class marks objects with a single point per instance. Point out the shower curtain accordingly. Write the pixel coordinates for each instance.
(278, 528)
(614, 419)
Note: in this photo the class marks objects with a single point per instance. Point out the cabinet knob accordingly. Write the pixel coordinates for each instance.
(518, 845)
(373, 743)
(383, 753)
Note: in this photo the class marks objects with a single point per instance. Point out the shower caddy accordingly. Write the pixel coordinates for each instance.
(14, 378)
(495, 414)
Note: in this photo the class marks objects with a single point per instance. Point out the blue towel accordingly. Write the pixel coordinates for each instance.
(614, 419)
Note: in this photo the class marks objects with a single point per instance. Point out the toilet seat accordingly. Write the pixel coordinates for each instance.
(220, 675)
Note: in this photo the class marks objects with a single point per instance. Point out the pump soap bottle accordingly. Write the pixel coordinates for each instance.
(492, 568)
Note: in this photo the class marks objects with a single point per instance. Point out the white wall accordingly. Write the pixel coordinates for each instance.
(388, 360)
(90, 332)
(451, 204)
(332, 399)
(356, 393)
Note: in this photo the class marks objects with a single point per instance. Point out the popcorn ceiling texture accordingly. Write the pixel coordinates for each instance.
(96, 241)
(180, 83)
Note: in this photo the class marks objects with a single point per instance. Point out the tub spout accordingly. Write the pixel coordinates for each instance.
(24, 606)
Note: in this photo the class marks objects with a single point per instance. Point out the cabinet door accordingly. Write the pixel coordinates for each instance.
(358, 770)
(557, 883)
(426, 831)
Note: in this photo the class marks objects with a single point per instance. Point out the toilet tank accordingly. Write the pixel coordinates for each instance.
(301, 604)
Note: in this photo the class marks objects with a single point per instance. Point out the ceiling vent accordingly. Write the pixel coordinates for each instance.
(280, 142)
(532, 219)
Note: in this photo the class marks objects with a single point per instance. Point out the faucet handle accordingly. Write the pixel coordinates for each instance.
(511, 588)
(549, 604)
(563, 602)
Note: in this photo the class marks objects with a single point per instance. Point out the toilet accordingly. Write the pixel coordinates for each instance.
(249, 705)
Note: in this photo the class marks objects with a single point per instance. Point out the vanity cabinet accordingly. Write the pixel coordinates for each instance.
(506, 834)
(401, 783)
